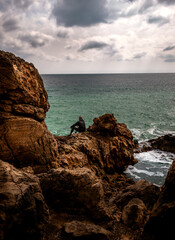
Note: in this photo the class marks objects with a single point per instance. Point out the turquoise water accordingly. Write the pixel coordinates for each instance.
(145, 102)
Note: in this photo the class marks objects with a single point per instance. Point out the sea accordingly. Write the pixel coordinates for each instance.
(144, 102)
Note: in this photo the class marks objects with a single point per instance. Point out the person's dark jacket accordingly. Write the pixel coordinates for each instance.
(81, 126)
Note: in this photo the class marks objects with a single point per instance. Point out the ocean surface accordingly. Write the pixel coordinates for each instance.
(145, 102)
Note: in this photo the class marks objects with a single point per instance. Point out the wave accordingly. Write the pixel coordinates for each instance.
(155, 156)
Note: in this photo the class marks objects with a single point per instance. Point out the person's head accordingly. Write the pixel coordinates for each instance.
(80, 118)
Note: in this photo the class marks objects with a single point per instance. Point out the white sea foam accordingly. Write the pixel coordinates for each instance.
(132, 170)
(155, 156)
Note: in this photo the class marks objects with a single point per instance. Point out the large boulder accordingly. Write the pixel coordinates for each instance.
(161, 223)
(106, 147)
(164, 143)
(134, 213)
(143, 190)
(23, 212)
(74, 191)
(25, 139)
(77, 230)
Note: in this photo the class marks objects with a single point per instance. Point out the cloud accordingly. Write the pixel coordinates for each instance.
(80, 12)
(158, 20)
(10, 25)
(169, 48)
(9, 4)
(63, 33)
(169, 58)
(35, 39)
(147, 4)
(168, 2)
(93, 45)
(139, 55)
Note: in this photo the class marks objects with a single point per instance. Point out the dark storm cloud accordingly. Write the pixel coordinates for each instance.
(10, 25)
(80, 12)
(34, 40)
(168, 2)
(139, 55)
(158, 20)
(63, 34)
(93, 45)
(8, 4)
(169, 48)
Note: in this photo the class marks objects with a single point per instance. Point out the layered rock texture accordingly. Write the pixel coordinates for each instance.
(23, 211)
(164, 143)
(106, 147)
(70, 188)
(25, 139)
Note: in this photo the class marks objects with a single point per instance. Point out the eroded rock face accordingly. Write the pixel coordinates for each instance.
(74, 190)
(106, 147)
(161, 223)
(25, 139)
(85, 231)
(134, 213)
(23, 212)
(143, 190)
(164, 143)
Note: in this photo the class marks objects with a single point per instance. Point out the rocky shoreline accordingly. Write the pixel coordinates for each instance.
(69, 188)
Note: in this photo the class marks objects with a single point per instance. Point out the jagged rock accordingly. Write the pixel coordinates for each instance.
(134, 213)
(23, 212)
(25, 139)
(143, 190)
(74, 191)
(161, 223)
(106, 147)
(164, 143)
(85, 231)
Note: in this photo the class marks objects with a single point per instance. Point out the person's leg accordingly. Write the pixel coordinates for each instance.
(72, 129)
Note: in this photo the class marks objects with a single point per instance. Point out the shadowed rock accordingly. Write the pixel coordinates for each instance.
(76, 230)
(74, 191)
(23, 212)
(161, 223)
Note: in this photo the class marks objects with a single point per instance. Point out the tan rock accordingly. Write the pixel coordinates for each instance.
(106, 147)
(25, 139)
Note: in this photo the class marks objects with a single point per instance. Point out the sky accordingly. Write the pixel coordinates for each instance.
(90, 36)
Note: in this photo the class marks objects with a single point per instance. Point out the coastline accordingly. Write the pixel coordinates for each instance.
(69, 188)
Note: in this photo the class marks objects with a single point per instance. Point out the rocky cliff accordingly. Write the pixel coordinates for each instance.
(69, 188)
(106, 147)
(25, 139)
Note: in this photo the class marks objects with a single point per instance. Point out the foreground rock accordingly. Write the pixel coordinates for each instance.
(74, 191)
(143, 190)
(23, 212)
(134, 213)
(76, 230)
(161, 223)
(164, 143)
(106, 147)
(25, 140)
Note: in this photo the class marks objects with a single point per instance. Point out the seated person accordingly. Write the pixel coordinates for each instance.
(78, 126)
